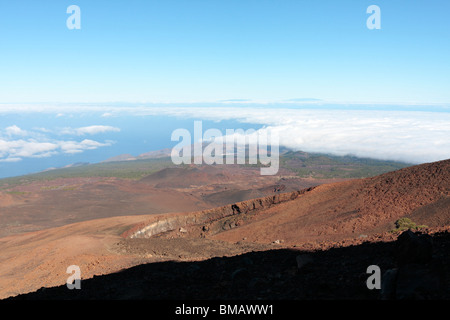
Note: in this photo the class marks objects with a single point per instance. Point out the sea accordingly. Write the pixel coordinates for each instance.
(24, 137)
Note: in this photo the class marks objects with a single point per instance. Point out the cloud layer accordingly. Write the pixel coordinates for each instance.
(403, 133)
(16, 143)
(409, 136)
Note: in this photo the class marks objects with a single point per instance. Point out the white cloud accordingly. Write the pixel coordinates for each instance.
(34, 149)
(91, 130)
(96, 129)
(72, 147)
(15, 131)
(17, 144)
(44, 130)
(11, 160)
(15, 150)
(12, 150)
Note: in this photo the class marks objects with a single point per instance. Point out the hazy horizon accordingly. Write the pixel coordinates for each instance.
(41, 136)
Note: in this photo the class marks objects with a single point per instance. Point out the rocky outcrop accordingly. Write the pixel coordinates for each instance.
(419, 274)
(169, 222)
(413, 248)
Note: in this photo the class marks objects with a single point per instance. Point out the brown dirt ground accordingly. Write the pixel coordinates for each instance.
(352, 214)
(47, 204)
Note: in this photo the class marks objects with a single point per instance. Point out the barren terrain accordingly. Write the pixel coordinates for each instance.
(230, 244)
(50, 203)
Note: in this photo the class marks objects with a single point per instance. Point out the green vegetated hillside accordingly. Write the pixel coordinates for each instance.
(135, 169)
(302, 164)
(321, 166)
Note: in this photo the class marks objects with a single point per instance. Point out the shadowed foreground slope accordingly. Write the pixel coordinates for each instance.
(336, 273)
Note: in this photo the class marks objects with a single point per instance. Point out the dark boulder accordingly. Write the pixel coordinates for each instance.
(413, 248)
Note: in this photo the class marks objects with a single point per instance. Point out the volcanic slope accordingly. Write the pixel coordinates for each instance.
(319, 217)
(40, 204)
(355, 208)
(329, 212)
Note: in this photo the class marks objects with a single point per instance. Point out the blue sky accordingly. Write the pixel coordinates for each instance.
(210, 50)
